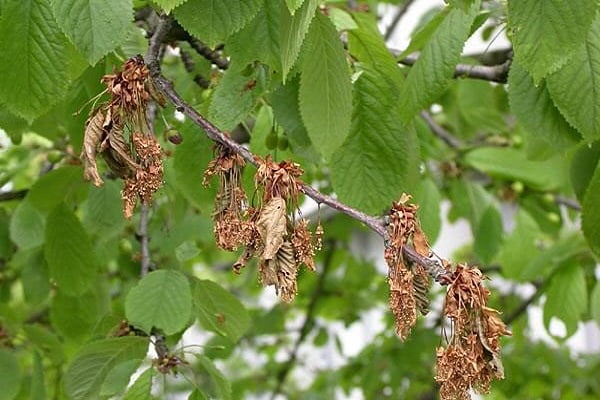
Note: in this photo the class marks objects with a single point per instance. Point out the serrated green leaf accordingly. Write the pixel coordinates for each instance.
(422, 36)
(13, 125)
(118, 377)
(428, 197)
(566, 298)
(510, 163)
(220, 311)
(519, 247)
(536, 111)
(325, 89)
(162, 299)
(469, 200)
(74, 317)
(293, 5)
(140, 390)
(10, 378)
(293, 30)
(259, 40)
(574, 87)
(33, 68)
(545, 33)
(595, 303)
(213, 21)
(488, 235)
(27, 226)
(429, 77)
(102, 213)
(583, 164)
(169, 5)
(233, 99)
(341, 20)
(477, 104)
(95, 27)
(590, 213)
(378, 161)
(564, 249)
(197, 395)
(69, 252)
(55, 187)
(222, 385)
(85, 375)
(34, 274)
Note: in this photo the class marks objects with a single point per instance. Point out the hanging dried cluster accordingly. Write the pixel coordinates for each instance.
(471, 357)
(118, 130)
(269, 231)
(409, 283)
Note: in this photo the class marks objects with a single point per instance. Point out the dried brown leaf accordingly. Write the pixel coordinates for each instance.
(420, 242)
(93, 135)
(272, 227)
(281, 272)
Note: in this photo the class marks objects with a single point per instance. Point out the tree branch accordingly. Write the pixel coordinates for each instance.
(520, 310)
(16, 195)
(397, 17)
(440, 132)
(565, 201)
(308, 321)
(433, 266)
(493, 73)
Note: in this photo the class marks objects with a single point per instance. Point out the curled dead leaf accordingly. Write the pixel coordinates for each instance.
(272, 227)
(92, 138)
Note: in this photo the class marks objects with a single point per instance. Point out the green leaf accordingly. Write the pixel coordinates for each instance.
(536, 111)
(422, 36)
(162, 299)
(574, 88)
(140, 390)
(213, 21)
(46, 342)
(117, 379)
(341, 20)
(569, 247)
(220, 311)
(233, 99)
(34, 274)
(469, 200)
(197, 395)
(545, 33)
(378, 161)
(38, 389)
(69, 252)
(519, 247)
(293, 30)
(74, 317)
(10, 378)
(590, 213)
(95, 27)
(429, 77)
(566, 298)
(169, 5)
(428, 197)
(325, 88)
(595, 303)
(583, 164)
(222, 385)
(488, 235)
(102, 213)
(292, 5)
(477, 104)
(33, 70)
(510, 163)
(56, 186)
(259, 40)
(27, 226)
(93, 362)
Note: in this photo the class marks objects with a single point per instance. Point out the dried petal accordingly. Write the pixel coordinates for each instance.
(303, 247)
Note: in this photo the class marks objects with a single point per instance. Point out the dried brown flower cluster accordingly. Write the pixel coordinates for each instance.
(471, 358)
(118, 130)
(409, 283)
(268, 232)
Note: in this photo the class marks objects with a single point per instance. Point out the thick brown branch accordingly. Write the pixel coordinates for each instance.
(493, 73)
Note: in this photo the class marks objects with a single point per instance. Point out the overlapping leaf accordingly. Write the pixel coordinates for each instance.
(95, 27)
(325, 89)
(545, 33)
(566, 298)
(293, 29)
(575, 88)
(33, 68)
(430, 75)
(590, 219)
(213, 21)
(169, 5)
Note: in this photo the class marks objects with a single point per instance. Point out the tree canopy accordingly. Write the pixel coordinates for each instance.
(189, 189)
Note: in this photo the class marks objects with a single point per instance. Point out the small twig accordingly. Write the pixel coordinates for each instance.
(520, 310)
(399, 14)
(493, 73)
(565, 201)
(16, 195)
(308, 322)
(440, 132)
(208, 53)
(189, 66)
